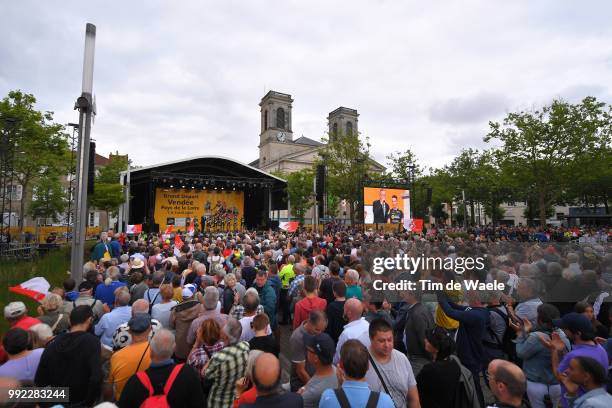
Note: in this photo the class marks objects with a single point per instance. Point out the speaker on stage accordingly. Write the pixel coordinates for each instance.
(429, 193)
(156, 228)
(273, 224)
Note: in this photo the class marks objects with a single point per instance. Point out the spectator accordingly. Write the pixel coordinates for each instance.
(245, 388)
(588, 374)
(390, 371)
(181, 317)
(267, 296)
(267, 377)
(138, 286)
(179, 382)
(496, 330)
(210, 300)
(301, 369)
(69, 293)
(53, 314)
(286, 275)
(248, 271)
(527, 291)
(320, 354)
(102, 249)
(441, 374)
(536, 357)
(105, 292)
(356, 328)
(16, 315)
(152, 294)
(230, 292)
(207, 343)
(472, 326)
(111, 321)
(227, 366)
(274, 280)
(23, 358)
(122, 336)
(133, 358)
(327, 284)
(41, 335)
(354, 390)
(73, 360)
(162, 310)
(335, 311)
(507, 383)
(580, 332)
(310, 302)
(418, 321)
(263, 340)
(86, 298)
(353, 290)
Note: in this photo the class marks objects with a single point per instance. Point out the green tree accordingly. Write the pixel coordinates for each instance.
(109, 194)
(400, 163)
(38, 145)
(49, 199)
(347, 160)
(544, 147)
(300, 192)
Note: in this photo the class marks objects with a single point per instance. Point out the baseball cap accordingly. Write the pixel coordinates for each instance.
(574, 322)
(139, 323)
(322, 345)
(85, 285)
(14, 309)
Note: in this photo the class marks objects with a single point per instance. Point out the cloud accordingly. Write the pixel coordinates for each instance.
(174, 80)
(475, 108)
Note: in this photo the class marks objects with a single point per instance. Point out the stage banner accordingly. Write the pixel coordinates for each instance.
(218, 206)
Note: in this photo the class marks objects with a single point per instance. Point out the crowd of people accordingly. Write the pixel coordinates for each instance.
(271, 319)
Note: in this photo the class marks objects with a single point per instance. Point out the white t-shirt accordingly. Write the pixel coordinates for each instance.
(247, 331)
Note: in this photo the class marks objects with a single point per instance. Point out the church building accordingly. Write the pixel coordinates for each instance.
(280, 151)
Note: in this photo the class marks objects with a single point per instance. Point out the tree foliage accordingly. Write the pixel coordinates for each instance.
(300, 191)
(347, 160)
(109, 194)
(38, 146)
(551, 152)
(49, 199)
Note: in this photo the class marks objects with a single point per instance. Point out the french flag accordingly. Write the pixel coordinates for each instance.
(35, 288)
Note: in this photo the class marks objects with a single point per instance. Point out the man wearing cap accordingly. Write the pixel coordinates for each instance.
(320, 351)
(133, 358)
(16, 315)
(122, 336)
(582, 336)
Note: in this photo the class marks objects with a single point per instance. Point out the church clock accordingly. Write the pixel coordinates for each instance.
(281, 136)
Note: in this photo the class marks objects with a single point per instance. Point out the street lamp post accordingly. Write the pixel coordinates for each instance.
(85, 106)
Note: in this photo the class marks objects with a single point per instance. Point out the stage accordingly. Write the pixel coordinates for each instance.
(217, 193)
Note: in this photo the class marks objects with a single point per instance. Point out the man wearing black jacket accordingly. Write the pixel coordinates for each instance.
(73, 360)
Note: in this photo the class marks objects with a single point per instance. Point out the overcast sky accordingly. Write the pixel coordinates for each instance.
(184, 78)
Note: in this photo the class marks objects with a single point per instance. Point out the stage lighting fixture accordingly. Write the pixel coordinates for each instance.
(215, 188)
(171, 185)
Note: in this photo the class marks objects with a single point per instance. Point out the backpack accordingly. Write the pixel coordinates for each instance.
(505, 344)
(344, 402)
(465, 395)
(158, 400)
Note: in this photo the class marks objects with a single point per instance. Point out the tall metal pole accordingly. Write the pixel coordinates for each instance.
(85, 106)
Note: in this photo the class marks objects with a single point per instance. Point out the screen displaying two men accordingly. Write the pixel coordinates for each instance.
(386, 206)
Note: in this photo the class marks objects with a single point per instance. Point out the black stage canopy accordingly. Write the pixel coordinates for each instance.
(263, 192)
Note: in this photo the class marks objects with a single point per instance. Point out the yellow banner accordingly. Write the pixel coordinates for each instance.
(178, 207)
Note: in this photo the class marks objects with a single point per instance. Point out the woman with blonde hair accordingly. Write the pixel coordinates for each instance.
(162, 310)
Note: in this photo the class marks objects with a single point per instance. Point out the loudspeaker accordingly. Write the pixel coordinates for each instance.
(273, 224)
(156, 228)
(429, 192)
(320, 189)
(91, 172)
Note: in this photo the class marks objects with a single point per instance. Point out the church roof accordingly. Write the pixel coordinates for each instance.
(307, 141)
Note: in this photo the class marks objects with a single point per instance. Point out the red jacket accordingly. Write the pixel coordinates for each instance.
(303, 308)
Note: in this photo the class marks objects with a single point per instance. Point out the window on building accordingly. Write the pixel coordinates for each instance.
(280, 118)
(265, 119)
(349, 128)
(92, 219)
(14, 192)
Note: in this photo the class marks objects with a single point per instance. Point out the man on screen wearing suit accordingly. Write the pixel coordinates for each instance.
(380, 208)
